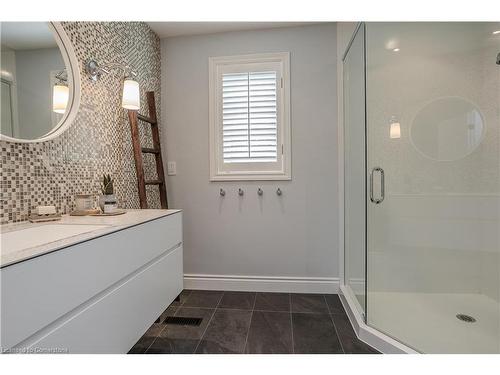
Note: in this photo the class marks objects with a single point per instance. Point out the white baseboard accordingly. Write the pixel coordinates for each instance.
(262, 283)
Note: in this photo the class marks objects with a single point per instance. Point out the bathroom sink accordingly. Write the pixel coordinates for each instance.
(42, 234)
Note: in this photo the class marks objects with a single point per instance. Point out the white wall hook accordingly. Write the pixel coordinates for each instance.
(222, 192)
(240, 192)
(260, 191)
(279, 192)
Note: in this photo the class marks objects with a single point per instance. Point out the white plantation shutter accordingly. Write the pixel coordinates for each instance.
(249, 120)
(249, 117)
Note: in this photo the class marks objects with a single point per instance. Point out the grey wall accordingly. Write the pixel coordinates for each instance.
(295, 235)
(34, 92)
(9, 92)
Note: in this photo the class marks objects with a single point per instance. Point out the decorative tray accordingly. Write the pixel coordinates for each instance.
(85, 212)
(114, 213)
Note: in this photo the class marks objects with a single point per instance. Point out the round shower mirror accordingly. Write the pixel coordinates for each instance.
(40, 81)
(447, 129)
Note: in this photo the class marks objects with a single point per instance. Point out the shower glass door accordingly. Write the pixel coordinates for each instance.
(354, 170)
(433, 182)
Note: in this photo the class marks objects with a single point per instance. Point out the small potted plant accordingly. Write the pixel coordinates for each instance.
(107, 201)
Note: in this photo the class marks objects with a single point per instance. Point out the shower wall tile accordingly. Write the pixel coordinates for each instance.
(98, 141)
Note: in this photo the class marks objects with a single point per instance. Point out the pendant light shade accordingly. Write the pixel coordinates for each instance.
(60, 96)
(131, 97)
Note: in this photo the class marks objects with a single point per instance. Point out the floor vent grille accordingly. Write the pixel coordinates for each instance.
(183, 321)
(466, 318)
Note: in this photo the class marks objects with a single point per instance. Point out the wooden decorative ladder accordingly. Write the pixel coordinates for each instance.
(133, 117)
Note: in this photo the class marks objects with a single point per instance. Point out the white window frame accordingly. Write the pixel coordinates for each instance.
(280, 170)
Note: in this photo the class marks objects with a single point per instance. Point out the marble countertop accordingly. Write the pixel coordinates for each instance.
(104, 225)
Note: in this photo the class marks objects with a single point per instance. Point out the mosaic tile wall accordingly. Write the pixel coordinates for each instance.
(98, 141)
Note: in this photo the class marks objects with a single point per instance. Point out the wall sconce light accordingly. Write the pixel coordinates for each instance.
(60, 93)
(395, 128)
(131, 94)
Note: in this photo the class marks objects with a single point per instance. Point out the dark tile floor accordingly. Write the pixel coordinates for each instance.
(249, 322)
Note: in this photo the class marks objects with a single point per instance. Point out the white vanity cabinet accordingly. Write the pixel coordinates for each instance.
(96, 296)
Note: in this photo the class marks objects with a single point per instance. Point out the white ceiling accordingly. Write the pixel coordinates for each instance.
(168, 29)
(27, 35)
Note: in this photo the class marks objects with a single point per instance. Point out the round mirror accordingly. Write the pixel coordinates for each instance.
(447, 129)
(40, 81)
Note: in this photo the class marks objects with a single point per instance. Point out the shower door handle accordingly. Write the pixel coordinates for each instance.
(382, 185)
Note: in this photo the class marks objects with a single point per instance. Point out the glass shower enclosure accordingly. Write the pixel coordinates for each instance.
(422, 183)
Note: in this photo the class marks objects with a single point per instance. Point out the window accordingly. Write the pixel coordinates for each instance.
(249, 117)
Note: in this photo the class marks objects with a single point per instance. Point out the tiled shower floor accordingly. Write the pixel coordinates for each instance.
(248, 322)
